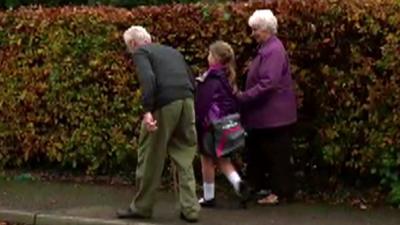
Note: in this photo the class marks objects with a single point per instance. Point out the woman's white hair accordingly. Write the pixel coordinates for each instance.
(138, 34)
(264, 19)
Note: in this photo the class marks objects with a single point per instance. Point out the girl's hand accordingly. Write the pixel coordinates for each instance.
(235, 90)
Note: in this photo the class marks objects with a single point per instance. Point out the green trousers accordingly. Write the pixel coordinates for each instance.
(175, 137)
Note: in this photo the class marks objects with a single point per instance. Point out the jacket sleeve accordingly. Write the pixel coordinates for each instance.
(191, 77)
(147, 78)
(269, 72)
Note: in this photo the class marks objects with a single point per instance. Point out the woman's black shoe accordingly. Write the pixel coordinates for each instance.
(244, 194)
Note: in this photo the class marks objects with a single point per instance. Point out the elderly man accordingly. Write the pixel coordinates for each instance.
(168, 126)
(269, 110)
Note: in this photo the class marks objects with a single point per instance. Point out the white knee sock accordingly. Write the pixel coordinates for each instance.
(208, 191)
(234, 178)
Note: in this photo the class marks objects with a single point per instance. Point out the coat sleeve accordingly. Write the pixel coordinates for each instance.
(269, 71)
(208, 93)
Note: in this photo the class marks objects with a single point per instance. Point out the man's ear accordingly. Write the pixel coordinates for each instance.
(132, 44)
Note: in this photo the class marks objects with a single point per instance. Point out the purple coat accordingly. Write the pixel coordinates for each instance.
(214, 99)
(269, 99)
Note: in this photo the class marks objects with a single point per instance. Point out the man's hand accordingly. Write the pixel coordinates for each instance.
(150, 122)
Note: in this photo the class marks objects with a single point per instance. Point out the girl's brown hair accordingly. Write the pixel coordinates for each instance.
(224, 53)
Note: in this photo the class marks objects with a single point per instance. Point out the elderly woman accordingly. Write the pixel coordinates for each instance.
(268, 110)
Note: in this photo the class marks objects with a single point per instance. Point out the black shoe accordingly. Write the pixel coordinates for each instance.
(244, 194)
(261, 193)
(207, 203)
(187, 219)
(130, 214)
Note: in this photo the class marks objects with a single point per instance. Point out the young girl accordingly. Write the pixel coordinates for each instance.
(215, 99)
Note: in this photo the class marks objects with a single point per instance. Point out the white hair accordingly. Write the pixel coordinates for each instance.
(138, 34)
(264, 19)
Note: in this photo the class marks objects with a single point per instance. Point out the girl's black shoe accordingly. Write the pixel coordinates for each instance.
(207, 203)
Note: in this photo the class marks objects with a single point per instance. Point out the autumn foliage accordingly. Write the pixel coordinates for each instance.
(69, 96)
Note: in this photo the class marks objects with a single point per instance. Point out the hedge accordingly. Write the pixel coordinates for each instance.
(118, 3)
(69, 96)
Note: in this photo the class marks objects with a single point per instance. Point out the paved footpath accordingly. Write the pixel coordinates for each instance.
(43, 203)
